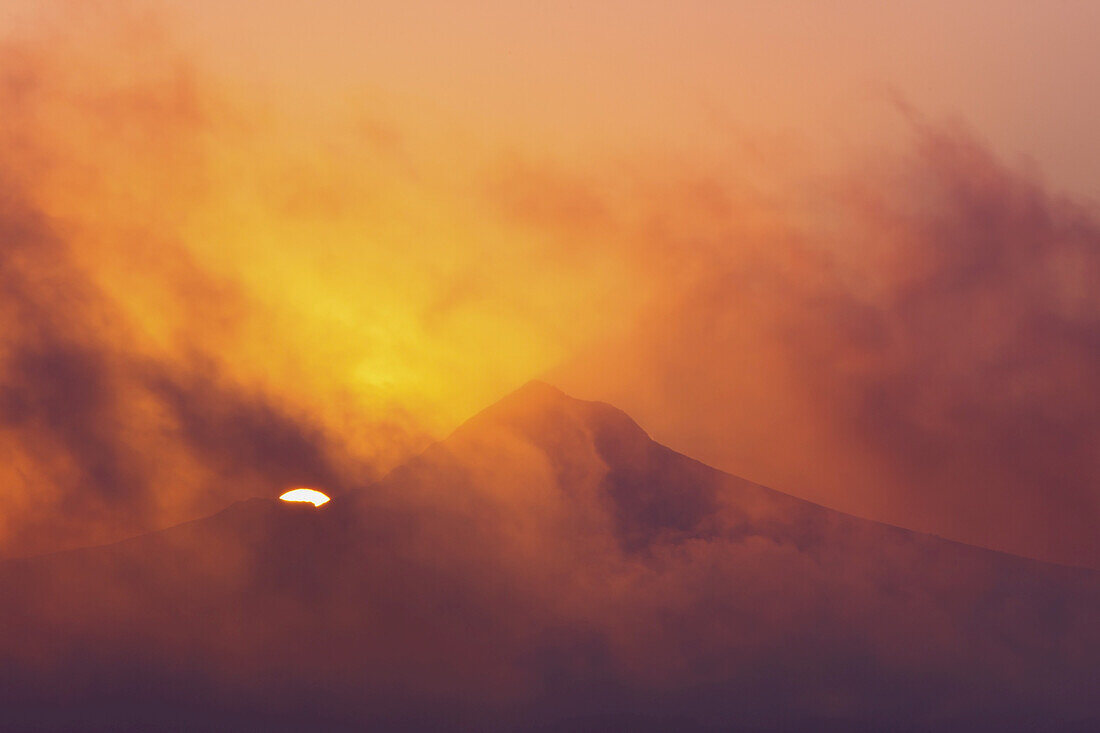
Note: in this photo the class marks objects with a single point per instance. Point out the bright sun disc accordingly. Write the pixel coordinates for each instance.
(316, 498)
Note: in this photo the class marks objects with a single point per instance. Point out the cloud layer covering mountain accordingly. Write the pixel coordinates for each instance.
(547, 567)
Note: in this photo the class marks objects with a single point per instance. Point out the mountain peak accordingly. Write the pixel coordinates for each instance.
(533, 395)
(537, 386)
(595, 454)
(537, 405)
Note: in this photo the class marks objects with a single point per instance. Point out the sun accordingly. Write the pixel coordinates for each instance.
(312, 496)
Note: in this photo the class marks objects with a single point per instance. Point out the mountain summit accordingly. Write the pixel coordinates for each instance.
(579, 458)
(546, 567)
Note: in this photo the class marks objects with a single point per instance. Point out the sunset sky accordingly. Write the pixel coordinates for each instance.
(848, 250)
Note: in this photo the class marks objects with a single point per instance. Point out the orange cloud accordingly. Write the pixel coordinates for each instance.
(915, 343)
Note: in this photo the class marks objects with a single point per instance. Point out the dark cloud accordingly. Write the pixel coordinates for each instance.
(242, 435)
(99, 426)
(980, 382)
(918, 343)
(106, 433)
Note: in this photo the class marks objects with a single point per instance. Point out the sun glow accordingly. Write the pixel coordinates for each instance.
(312, 496)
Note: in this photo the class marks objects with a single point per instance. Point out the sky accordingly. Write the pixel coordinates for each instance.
(847, 250)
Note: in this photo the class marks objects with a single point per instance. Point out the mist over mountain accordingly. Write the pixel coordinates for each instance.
(546, 567)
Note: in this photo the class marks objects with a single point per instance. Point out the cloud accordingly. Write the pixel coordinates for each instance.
(912, 338)
(915, 341)
(192, 300)
(102, 438)
(123, 403)
(549, 564)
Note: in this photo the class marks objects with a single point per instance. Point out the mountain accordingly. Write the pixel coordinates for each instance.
(546, 567)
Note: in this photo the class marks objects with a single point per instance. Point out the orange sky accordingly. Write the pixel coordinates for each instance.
(364, 223)
(624, 73)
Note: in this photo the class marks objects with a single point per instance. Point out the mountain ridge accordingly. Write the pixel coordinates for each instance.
(548, 563)
(523, 409)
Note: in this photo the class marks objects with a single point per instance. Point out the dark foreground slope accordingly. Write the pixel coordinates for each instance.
(547, 567)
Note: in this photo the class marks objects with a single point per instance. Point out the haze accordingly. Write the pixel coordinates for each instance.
(848, 251)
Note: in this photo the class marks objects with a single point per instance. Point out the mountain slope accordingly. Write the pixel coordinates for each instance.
(547, 566)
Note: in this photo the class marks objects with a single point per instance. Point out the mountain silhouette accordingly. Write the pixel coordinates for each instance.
(546, 567)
